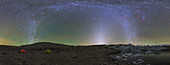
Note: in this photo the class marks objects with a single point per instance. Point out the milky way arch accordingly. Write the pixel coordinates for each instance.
(122, 13)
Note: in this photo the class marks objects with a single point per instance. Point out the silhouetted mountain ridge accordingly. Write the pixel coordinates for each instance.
(45, 45)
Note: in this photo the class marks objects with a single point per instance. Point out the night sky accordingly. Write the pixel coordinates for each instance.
(85, 22)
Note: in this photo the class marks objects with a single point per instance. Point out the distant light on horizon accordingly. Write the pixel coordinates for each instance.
(101, 43)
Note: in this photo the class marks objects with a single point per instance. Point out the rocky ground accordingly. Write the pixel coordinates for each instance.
(71, 55)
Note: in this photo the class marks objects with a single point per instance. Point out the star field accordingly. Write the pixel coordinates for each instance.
(85, 22)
